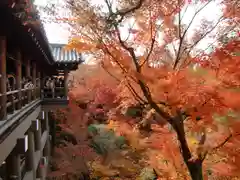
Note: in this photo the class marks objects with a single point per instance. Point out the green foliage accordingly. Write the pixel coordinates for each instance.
(105, 140)
(220, 119)
(133, 112)
(92, 129)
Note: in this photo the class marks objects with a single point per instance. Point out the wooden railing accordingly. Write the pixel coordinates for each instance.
(58, 92)
(17, 99)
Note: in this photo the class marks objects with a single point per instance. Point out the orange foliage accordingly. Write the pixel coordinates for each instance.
(196, 100)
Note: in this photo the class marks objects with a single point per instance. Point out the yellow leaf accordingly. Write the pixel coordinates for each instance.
(192, 141)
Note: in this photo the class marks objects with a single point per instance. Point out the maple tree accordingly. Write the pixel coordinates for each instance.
(190, 99)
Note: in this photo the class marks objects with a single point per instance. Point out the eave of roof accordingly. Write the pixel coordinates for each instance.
(37, 32)
(65, 56)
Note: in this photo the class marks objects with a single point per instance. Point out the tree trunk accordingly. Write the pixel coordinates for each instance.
(195, 169)
(195, 166)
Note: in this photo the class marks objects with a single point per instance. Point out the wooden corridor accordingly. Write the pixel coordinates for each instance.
(26, 62)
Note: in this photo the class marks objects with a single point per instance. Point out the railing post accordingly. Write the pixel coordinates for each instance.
(13, 165)
(47, 149)
(34, 80)
(52, 122)
(45, 120)
(66, 82)
(39, 171)
(36, 127)
(3, 88)
(19, 79)
(30, 159)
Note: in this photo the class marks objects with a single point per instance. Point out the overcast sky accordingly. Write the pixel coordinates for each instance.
(57, 33)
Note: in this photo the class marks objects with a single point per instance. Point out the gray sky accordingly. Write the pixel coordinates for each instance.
(58, 33)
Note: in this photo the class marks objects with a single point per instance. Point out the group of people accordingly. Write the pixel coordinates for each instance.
(51, 84)
(54, 82)
(26, 83)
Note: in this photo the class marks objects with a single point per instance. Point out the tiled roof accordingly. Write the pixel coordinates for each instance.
(62, 55)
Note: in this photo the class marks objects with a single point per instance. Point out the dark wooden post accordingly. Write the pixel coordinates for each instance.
(28, 75)
(39, 83)
(40, 171)
(3, 69)
(45, 124)
(30, 159)
(13, 165)
(52, 122)
(66, 82)
(19, 79)
(42, 85)
(47, 149)
(36, 127)
(34, 80)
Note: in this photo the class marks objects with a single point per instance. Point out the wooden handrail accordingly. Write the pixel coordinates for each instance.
(54, 88)
(21, 90)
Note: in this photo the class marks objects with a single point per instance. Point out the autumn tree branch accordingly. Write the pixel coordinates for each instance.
(177, 121)
(129, 86)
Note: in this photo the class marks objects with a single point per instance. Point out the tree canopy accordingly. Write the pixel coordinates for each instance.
(149, 56)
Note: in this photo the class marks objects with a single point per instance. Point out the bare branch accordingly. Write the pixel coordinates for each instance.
(198, 54)
(184, 33)
(203, 36)
(222, 143)
(152, 43)
(129, 31)
(226, 140)
(184, 13)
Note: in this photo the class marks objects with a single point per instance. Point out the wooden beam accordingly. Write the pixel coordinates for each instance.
(3, 72)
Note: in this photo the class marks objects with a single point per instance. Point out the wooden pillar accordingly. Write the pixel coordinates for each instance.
(28, 74)
(34, 80)
(45, 121)
(36, 127)
(39, 84)
(42, 84)
(3, 72)
(19, 79)
(13, 166)
(66, 82)
(47, 149)
(30, 159)
(53, 133)
(39, 171)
